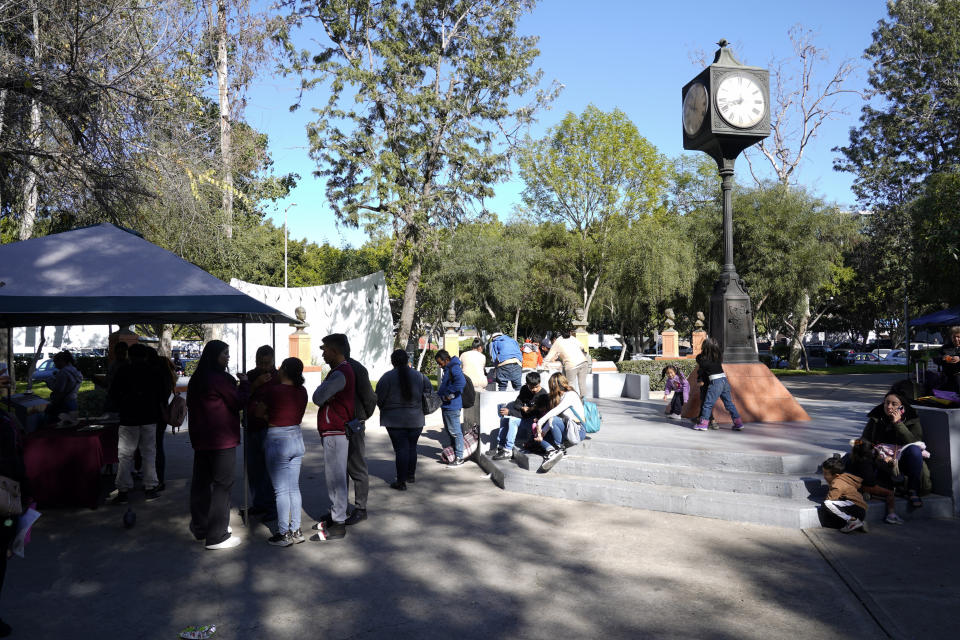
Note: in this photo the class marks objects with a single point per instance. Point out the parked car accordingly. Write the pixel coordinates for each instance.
(882, 352)
(818, 355)
(44, 371)
(864, 358)
(897, 356)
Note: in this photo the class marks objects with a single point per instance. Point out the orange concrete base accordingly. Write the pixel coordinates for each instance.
(758, 394)
(670, 344)
(299, 344)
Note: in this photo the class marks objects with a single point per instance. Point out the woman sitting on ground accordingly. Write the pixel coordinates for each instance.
(565, 406)
(678, 384)
(893, 425)
(400, 398)
(284, 405)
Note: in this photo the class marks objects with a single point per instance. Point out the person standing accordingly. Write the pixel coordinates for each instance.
(949, 360)
(11, 466)
(214, 401)
(710, 369)
(474, 365)
(507, 358)
(574, 358)
(450, 390)
(283, 405)
(335, 398)
(364, 404)
(400, 398)
(168, 377)
(64, 386)
(139, 393)
(263, 499)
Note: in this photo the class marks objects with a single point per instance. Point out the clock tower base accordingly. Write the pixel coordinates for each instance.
(758, 394)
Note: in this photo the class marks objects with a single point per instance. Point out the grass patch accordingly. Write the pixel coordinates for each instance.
(42, 390)
(835, 371)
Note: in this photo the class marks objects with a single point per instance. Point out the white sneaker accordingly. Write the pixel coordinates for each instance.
(229, 543)
(675, 416)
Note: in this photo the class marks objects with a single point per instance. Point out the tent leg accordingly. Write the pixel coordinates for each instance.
(246, 485)
(11, 371)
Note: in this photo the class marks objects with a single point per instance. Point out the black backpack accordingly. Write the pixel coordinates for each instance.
(469, 395)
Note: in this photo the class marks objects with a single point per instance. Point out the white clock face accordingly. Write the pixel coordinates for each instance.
(740, 100)
(694, 108)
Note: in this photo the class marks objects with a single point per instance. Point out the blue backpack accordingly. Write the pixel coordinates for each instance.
(591, 420)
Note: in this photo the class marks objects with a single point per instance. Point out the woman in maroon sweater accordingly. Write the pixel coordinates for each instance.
(284, 405)
(214, 401)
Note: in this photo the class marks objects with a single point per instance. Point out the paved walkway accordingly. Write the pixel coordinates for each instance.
(456, 557)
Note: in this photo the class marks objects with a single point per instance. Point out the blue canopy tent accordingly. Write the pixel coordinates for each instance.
(103, 274)
(945, 317)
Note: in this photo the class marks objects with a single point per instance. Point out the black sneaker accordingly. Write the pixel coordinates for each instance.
(333, 531)
(358, 515)
(297, 536)
(325, 520)
(399, 486)
(412, 479)
(120, 498)
(151, 494)
(281, 539)
(457, 462)
(502, 454)
(552, 459)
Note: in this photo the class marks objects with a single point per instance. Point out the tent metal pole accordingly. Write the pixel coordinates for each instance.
(273, 336)
(11, 369)
(246, 485)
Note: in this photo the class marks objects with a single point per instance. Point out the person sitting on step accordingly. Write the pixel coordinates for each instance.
(520, 414)
(565, 407)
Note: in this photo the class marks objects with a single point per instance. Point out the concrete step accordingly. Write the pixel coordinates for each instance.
(704, 457)
(790, 512)
(751, 482)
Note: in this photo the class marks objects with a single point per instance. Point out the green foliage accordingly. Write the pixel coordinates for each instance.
(592, 173)
(654, 368)
(935, 241)
(190, 368)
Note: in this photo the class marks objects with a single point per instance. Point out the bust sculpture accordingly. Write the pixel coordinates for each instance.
(698, 325)
(671, 319)
(301, 323)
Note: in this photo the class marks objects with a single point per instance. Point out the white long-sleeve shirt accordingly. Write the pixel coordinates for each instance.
(568, 350)
(569, 402)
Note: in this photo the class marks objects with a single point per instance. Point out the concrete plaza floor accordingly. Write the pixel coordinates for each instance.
(456, 557)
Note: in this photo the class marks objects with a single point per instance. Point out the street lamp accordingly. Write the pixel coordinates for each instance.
(292, 204)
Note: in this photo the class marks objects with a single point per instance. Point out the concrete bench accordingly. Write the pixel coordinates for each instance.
(941, 433)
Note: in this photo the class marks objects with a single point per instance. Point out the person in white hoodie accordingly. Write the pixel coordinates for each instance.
(565, 407)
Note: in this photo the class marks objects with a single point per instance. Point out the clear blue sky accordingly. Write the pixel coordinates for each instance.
(624, 54)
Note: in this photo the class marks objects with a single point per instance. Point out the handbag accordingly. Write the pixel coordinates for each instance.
(10, 502)
(176, 412)
(573, 432)
(431, 401)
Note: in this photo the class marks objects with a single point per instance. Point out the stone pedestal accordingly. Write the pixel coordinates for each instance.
(758, 394)
(300, 346)
(671, 344)
(451, 342)
(697, 341)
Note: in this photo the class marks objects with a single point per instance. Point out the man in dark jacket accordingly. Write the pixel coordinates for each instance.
(138, 393)
(365, 403)
(949, 360)
(263, 500)
(531, 403)
(450, 390)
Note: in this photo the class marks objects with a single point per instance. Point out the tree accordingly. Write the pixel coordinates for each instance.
(424, 103)
(589, 172)
(909, 130)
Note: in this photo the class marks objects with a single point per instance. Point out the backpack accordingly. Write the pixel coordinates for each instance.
(175, 412)
(469, 395)
(591, 419)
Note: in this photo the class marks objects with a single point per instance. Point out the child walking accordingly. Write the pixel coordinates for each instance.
(710, 368)
(844, 507)
(680, 387)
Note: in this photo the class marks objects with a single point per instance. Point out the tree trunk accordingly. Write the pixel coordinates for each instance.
(516, 323)
(623, 342)
(226, 134)
(796, 345)
(36, 356)
(212, 332)
(30, 194)
(588, 297)
(166, 340)
(409, 300)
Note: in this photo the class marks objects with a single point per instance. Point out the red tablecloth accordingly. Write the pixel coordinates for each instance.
(63, 466)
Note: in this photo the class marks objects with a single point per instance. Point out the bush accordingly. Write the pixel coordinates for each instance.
(91, 403)
(603, 353)
(653, 368)
(780, 349)
(190, 368)
(89, 366)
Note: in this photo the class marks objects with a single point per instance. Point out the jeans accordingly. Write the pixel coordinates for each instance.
(508, 431)
(451, 422)
(911, 465)
(210, 493)
(161, 459)
(509, 373)
(580, 373)
(258, 477)
(131, 437)
(284, 455)
(335, 451)
(552, 434)
(357, 467)
(405, 448)
(718, 388)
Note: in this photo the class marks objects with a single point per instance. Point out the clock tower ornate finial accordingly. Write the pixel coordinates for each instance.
(723, 43)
